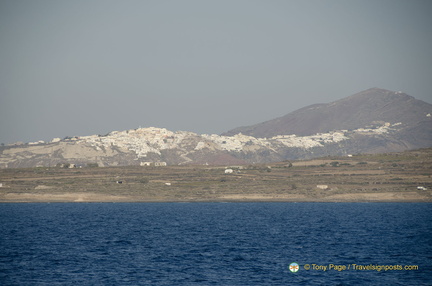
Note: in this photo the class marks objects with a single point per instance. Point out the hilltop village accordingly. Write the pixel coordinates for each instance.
(159, 146)
(369, 122)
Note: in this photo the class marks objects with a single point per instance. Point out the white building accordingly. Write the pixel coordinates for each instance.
(156, 164)
(322, 187)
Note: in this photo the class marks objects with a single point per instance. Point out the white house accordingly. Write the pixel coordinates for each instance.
(156, 164)
(322, 187)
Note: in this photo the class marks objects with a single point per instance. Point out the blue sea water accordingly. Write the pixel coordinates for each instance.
(214, 243)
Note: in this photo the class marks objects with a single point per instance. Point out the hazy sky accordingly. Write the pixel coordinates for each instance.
(70, 68)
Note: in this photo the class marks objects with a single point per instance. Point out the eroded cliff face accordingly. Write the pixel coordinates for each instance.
(147, 146)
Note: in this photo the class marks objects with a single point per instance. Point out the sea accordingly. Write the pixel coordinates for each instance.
(216, 244)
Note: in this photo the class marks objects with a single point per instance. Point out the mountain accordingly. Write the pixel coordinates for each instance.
(372, 121)
(359, 110)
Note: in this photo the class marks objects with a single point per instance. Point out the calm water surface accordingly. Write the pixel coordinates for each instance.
(213, 243)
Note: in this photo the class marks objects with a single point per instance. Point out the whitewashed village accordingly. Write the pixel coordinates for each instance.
(160, 147)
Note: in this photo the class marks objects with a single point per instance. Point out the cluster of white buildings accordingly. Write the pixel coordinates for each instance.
(152, 140)
(385, 128)
(143, 141)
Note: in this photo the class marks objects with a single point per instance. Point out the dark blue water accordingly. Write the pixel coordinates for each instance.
(213, 243)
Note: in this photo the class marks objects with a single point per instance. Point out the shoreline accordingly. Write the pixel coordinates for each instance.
(408, 197)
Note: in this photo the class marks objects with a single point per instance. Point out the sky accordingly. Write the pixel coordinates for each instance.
(83, 67)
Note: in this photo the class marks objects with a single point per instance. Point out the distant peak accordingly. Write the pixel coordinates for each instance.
(380, 92)
(377, 90)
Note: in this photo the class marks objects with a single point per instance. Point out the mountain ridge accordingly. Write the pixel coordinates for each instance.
(355, 111)
(372, 121)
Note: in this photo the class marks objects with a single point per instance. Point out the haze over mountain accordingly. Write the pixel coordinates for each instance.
(372, 121)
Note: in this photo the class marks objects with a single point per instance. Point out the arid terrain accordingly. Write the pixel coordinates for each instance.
(391, 177)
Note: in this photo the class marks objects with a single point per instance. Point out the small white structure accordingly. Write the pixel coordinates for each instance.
(322, 187)
(36, 143)
(1, 185)
(235, 167)
(168, 184)
(421, 188)
(156, 164)
(229, 171)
